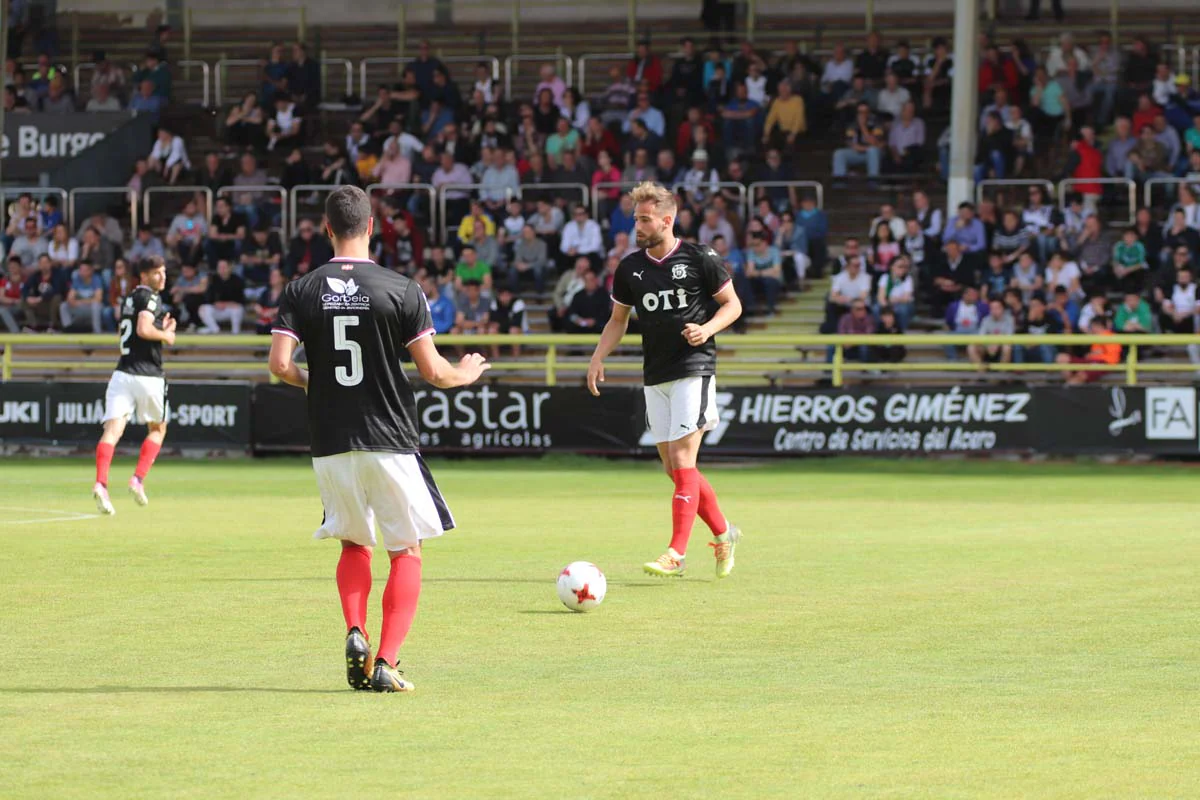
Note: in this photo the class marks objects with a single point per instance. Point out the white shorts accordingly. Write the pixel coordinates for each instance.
(676, 409)
(396, 490)
(140, 398)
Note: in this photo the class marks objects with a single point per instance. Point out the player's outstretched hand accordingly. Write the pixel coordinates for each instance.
(595, 376)
(474, 365)
(695, 334)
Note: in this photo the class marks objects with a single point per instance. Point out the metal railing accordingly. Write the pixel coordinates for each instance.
(326, 63)
(424, 188)
(550, 363)
(224, 191)
(1148, 187)
(1064, 189)
(712, 189)
(565, 65)
(399, 61)
(753, 188)
(222, 66)
(580, 187)
(1001, 182)
(205, 77)
(92, 191)
(153, 190)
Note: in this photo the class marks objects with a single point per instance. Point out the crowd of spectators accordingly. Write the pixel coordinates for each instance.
(707, 123)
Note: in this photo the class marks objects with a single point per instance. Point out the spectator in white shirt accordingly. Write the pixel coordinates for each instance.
(892, 97)
(849, 286)
(356, 139)
(484, 83)
(1056, 62)
(103, 99)
(699, 183)
(283, 129)
(581, 237)
(838, 73)
(63, 250)
(550, 81)
(169, 156)
(756, 84)
(1163, 88)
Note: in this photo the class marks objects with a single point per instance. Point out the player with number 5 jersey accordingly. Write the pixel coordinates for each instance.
(138, 389)
(684, 297)
(356, 320)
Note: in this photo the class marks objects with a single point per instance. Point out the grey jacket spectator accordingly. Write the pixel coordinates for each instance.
(531, 252)
(997, 327)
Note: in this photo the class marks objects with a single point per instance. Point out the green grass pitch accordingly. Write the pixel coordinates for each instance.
(906, 629)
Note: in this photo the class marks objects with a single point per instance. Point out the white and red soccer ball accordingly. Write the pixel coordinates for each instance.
(581, 586)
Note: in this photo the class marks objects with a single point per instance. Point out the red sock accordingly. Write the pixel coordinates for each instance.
(104, 457)
(399, 604)
(354, 584)
(710, 511)
(684, 505)
(146, 458)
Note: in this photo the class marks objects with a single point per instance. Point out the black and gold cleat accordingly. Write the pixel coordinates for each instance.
(358, 661)
(387, 678)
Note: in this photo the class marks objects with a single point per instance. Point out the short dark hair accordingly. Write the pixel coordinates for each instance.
(150, 264)
(348, 211)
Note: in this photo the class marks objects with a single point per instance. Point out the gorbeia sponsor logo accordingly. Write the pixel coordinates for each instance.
(344, 296)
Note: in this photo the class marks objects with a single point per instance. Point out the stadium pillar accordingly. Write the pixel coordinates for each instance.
(1113, 23)
(963, 108)
(3, 60)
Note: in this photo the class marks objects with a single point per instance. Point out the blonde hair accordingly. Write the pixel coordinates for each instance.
(651, 192)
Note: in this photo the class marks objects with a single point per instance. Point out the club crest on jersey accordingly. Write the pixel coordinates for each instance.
(344, 296)
(679, 272)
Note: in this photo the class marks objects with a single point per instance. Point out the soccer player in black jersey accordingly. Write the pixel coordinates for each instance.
(137, 389)
(675, 286)
(355, 320)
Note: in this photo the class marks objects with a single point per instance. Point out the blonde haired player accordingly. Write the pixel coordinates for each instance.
(674, 286)
(138, 388)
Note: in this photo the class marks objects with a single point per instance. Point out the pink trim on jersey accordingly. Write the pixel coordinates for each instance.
(721, 288)
(421, 335)
(618, 302)
(349, 260)
(670, 253)
(286, 332)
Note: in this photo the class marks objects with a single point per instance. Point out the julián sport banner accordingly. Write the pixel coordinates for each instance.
(198, 414)
(36, 143)
(482, 418)
(1154, 420)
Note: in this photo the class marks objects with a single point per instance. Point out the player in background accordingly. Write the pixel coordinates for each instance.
(355, 320)
(674, 285)
(138, 388)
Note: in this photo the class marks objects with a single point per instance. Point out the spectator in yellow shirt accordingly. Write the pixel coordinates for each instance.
(785, 120)
(466, 228)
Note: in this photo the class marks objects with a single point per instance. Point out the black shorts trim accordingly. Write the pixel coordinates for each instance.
(705, 383)
(438, 501)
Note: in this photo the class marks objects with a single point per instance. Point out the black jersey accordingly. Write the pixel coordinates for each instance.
(668, 294)
(356, 319)
(139, 356)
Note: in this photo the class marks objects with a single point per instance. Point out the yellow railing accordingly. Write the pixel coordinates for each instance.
(549, 357)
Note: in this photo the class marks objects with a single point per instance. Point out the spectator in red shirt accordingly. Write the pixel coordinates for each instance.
(1086, 162)
(1146, 112)
(10, 295)
(597, 139)
(996, 69)
(645, 67)
(683, 139)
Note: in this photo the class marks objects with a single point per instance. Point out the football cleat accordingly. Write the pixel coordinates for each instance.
(387, 678)
(138, 490)
(103, 504)
(723, 547)
(669, 564)
(358, 660)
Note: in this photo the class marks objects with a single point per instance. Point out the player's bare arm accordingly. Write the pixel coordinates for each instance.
(147, 331)
(436, 370)
(728, 310)
(613, 332)
(282, 364)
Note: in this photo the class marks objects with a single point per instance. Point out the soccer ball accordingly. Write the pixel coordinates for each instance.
(581, 586)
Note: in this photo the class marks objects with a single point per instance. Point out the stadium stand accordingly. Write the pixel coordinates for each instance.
(815, 164)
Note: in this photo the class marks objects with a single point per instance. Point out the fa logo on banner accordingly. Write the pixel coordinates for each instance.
(1171, 414)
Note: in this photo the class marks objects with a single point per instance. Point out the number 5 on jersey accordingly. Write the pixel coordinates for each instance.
(354, 375)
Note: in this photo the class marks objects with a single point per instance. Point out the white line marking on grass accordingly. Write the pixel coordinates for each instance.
(72, 516)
